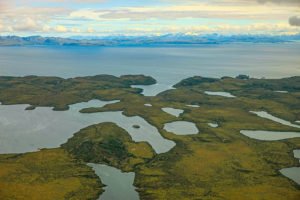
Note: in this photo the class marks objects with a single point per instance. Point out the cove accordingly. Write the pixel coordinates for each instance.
(119, 185)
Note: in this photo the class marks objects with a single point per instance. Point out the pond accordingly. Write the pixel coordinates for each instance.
(266, 115)
(119, 185)
(269, 135)
(173, 111)
(293, 172)
(193, 106)
(297, 154)
(223, 94)
(181, 128)
(282, 91)
(213, 125)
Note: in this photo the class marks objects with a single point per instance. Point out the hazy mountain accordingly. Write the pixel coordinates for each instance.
(168, 39)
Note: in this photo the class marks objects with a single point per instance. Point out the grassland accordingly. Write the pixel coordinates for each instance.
(106, 143)
(60, 93)
(219, 163)
(47, 174)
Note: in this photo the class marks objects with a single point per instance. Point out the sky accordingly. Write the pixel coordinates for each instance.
(148, 17)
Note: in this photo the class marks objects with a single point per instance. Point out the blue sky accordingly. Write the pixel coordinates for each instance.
(151, 17)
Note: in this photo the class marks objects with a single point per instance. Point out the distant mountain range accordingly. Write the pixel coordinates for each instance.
(169, 39)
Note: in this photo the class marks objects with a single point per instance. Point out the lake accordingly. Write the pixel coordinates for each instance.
(45, 128)
(168, 65)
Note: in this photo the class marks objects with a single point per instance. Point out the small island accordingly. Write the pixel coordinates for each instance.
(136, 126)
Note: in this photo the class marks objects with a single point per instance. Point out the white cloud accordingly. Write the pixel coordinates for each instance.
(199, 10)
(61, 29)
(86, 14)
(90, 30)
(46, 28)
(259, 28)
(23, 17)
(27, 24)
(75, 30)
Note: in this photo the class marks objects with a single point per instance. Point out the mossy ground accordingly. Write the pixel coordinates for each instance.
(109, 144)
(218, 163)
(47, 174)
(60, 93)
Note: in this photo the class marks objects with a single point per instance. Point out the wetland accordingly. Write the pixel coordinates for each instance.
(53, 128)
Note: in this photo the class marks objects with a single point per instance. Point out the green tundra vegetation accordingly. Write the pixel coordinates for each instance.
(48, 174)
(108, 144)
(60, 93)
(218, 163)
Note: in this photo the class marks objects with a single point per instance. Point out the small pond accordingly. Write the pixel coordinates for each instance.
(269, 135)
(213, 125)
(193, 106)
(181, 128)
(281, 91)
(293, 173)
(266, 115)
(297, 154)
(223, 94)
(173, 111)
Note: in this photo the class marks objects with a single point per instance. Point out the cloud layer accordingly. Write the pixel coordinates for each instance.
(94, 17)
(297, 2)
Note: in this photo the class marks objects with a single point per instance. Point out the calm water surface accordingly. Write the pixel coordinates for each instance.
(168, 65)
(269, 135)
(28, 130)
(119, 185)
(223, 94)
(293, 172)
(173, 111)
(181, 128)
(266, 115)
(297, 153)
